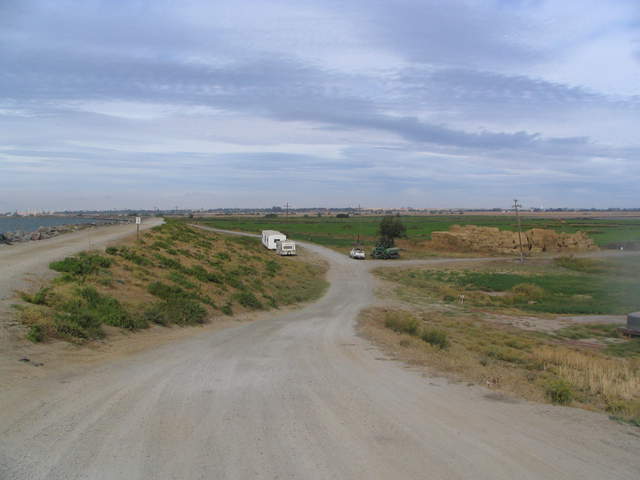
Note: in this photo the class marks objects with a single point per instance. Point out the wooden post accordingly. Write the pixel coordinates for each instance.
(515, 206)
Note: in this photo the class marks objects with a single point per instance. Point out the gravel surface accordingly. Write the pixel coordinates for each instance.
(294, 396)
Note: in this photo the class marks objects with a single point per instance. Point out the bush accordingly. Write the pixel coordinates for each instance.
(226, 309)
(249, 300)
(38, 298)
(559, 392)
(273, 267)
(81, 264)
(135, 257)
(105, 309)
(181, 280)
(170, 263)
(184, 311)
(528, 291)
(164, 291)
(111, 250)
(506, 354)
(401, 322)
(35, 333)
(437, 338)
(157, 314)
(204, 275)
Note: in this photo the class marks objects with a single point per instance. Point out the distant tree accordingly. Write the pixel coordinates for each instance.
(390, 228)
(271, 215)
(342, 215)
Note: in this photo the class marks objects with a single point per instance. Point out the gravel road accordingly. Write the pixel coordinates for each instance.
(296, 396)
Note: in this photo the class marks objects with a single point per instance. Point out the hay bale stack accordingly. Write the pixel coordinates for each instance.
(471, 238)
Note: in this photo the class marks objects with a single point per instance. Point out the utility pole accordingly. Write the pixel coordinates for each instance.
(516, 205)
(359, 214)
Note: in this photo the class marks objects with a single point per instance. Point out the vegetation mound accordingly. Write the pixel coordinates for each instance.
(174, 275)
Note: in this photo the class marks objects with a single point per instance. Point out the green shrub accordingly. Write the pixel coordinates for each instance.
(111, 250)
(134, 257)
(35, 333)
(273, 303)
(559, 391)
(81, 264)
(249, 300)
(181, 280)
(437, 338)
(184, 311)
(235, 283)
(223, 256)
(38, 298)
(506, 354)
(156, 313)
(170, 263)
(204, 275)
(402, 322)
(226, 309)
(105, 309)
(272, 267)
(164, 291)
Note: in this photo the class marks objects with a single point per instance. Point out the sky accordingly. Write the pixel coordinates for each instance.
(254, 103)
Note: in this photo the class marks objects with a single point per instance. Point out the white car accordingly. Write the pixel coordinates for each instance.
(357, 253)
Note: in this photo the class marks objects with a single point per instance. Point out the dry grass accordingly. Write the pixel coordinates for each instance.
(526, 364)
(611, 378)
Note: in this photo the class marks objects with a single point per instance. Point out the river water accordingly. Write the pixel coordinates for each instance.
(30, 224)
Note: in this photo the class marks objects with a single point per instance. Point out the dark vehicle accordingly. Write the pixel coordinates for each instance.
(382, 253)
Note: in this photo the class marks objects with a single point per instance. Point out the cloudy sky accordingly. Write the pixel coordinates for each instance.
(144, 103)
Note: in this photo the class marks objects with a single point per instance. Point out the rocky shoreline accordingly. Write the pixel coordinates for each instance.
(42, 233)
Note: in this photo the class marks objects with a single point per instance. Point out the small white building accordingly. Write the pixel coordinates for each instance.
(270, 238)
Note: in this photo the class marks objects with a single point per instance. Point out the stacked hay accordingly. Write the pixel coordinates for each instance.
(471, 238)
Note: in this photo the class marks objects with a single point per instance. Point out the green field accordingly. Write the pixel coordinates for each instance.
(342, 232)
(566, 286)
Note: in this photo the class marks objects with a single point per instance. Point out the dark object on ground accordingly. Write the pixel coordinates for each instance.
(633, 325)
(385, 253)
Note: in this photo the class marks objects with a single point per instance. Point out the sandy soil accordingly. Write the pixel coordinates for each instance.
(297, 395)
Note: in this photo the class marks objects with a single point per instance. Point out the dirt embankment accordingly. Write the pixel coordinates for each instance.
(470, 238)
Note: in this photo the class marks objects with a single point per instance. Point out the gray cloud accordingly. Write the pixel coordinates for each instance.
(439, 90)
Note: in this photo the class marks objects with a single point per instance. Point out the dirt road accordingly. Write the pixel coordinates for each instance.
(295, 396)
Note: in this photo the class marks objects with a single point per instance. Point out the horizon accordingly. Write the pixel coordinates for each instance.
(316, 102)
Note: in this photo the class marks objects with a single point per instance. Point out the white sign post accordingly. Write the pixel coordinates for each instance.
(138, 222)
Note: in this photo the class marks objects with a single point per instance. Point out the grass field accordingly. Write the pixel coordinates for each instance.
(565, 286)
(342, 232)
(174, 275)
(590, 365)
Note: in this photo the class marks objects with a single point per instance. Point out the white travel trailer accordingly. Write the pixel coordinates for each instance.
(270, 238)
(286, 247)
